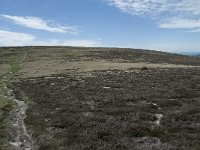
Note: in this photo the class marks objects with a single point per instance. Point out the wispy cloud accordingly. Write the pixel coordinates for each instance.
(8, 38)
(180, 23)
(180, 14)
(40, 24)
(55, 42)
(140, 7)
(86, 43)
(195, 30)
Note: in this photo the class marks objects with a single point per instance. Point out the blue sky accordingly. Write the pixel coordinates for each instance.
(166, 25)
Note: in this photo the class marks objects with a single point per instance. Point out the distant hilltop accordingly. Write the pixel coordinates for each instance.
(191, 53)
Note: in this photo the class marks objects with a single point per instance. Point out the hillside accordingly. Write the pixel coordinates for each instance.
(98, 98)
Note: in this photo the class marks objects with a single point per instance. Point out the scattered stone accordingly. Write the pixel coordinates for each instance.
(107, 87)
(159, 117)
(16, 144)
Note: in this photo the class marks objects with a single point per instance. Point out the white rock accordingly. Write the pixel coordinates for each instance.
(16, 144)
(107, 87)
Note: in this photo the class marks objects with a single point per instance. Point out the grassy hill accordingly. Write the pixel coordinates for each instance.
(98, 98)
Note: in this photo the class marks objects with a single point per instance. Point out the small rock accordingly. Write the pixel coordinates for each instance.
(107, 87)
(16, 144)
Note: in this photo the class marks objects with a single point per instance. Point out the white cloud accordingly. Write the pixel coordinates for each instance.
(55, 42)
(8, 38)
(149, 7)
(172, 46)
(40, 24)
(87, 43)
(180, 23)
(195, 30)
(184, 14)
(139, 7)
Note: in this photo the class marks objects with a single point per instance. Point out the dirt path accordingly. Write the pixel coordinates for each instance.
(20, 139)
(19, 136)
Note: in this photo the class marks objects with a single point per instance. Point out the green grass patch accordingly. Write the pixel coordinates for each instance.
(3, 102)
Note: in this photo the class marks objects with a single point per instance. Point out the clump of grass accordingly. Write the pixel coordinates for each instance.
(144, 68)
(143, 131)
(170, 103)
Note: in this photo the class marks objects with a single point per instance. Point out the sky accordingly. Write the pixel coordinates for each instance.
(164, 25)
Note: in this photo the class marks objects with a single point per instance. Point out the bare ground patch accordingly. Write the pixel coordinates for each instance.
(49, 67)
